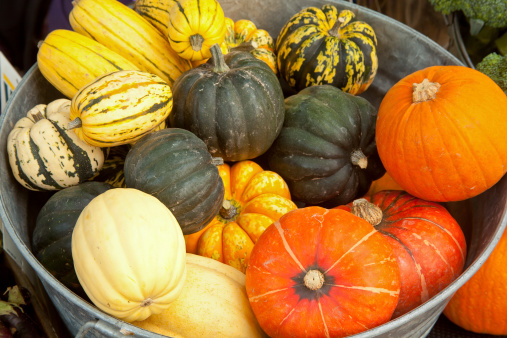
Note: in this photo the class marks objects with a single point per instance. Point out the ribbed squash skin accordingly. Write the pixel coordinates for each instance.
(194, 26)
(127, 33)
(51, 239)
(155, 12)
(44, 155)
(323, 131)
(213, 303)
(136, 103)
(69, 60)
(309, 53)
(238, 111)
(129, 254)
(175, 166)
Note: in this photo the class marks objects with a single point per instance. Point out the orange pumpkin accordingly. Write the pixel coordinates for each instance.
(254, 198)
(386, 182)
(322, 273)
(427, 242)
(441, 133)
(480, 305)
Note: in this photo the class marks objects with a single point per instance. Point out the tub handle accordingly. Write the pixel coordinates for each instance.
(103, 327)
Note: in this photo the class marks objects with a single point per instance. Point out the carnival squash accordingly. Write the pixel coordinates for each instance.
(194, 26)
(428, 243)
(321, 46)
(45, 155)
(480, 304)
(69, 60)
(129, 254)
(234, 103)
(441, 133)
(175, 166)
(120, 108)
(254, 198)
(124, 31)
(326, 151)
(51, 238)
(321, 273)
(213, 303)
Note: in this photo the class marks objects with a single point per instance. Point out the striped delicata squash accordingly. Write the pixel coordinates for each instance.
(120, 108)
(69, 60)
(127, 33)
(156, 12)
(324, 46)
(44, 155)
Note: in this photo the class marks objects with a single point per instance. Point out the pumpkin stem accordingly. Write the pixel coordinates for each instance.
(228, 211)
(313, 280)
(217, 161)
(147, 302)
(335, 30)
(76, 123)
(367, 211)
(196, 41)
(424, 91)
(358, 158)
(218, 59)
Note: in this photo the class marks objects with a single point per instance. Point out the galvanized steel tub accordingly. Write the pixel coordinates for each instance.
(401, 50)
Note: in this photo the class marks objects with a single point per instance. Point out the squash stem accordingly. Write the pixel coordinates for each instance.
(335, 30)
(37, 116)
(367, 211)
(196, 41)
(218, 59)
(228, 211)
(76, 123)
(424, 91)
(313, 280)
(358, 158)
(217, 161)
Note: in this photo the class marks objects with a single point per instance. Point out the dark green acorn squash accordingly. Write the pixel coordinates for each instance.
(51, 240)
(321, 46)
(326, 151)
(234, 103)
(176, 167)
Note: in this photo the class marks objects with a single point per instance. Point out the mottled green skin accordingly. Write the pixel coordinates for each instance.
(323, 126)
(51, 241)
(238, 113)
(175, 166)
(311, 50)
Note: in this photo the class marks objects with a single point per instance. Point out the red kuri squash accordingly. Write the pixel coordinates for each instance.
(427, 241)
(321, 273)
(441, 133)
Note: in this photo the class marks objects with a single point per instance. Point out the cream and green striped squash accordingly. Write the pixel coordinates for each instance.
(69, 60)
(321, 46)
(120, 108)
(45, 156)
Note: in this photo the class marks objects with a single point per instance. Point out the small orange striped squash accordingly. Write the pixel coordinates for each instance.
(254, 198)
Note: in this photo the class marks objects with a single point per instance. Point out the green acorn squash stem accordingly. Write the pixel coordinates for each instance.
(335, 30)
(196, 41)
(358, 158)
(217, 161)
(76, 123)
(367, 211)
(218, 59)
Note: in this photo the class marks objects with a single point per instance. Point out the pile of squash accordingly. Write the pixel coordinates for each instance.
(192, 196)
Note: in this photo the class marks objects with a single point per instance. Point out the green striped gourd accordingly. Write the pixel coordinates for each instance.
(69, 60)
(127, 33)
(120, 108)
(321, 46)
(44, 155)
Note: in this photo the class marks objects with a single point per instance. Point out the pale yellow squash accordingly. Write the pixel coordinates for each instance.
(129, 254)
(213, 303)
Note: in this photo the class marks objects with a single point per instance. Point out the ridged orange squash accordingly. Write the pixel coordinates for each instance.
(254, 199)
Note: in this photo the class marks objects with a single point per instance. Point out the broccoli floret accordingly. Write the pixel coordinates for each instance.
(495, 66)
(479, 12)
